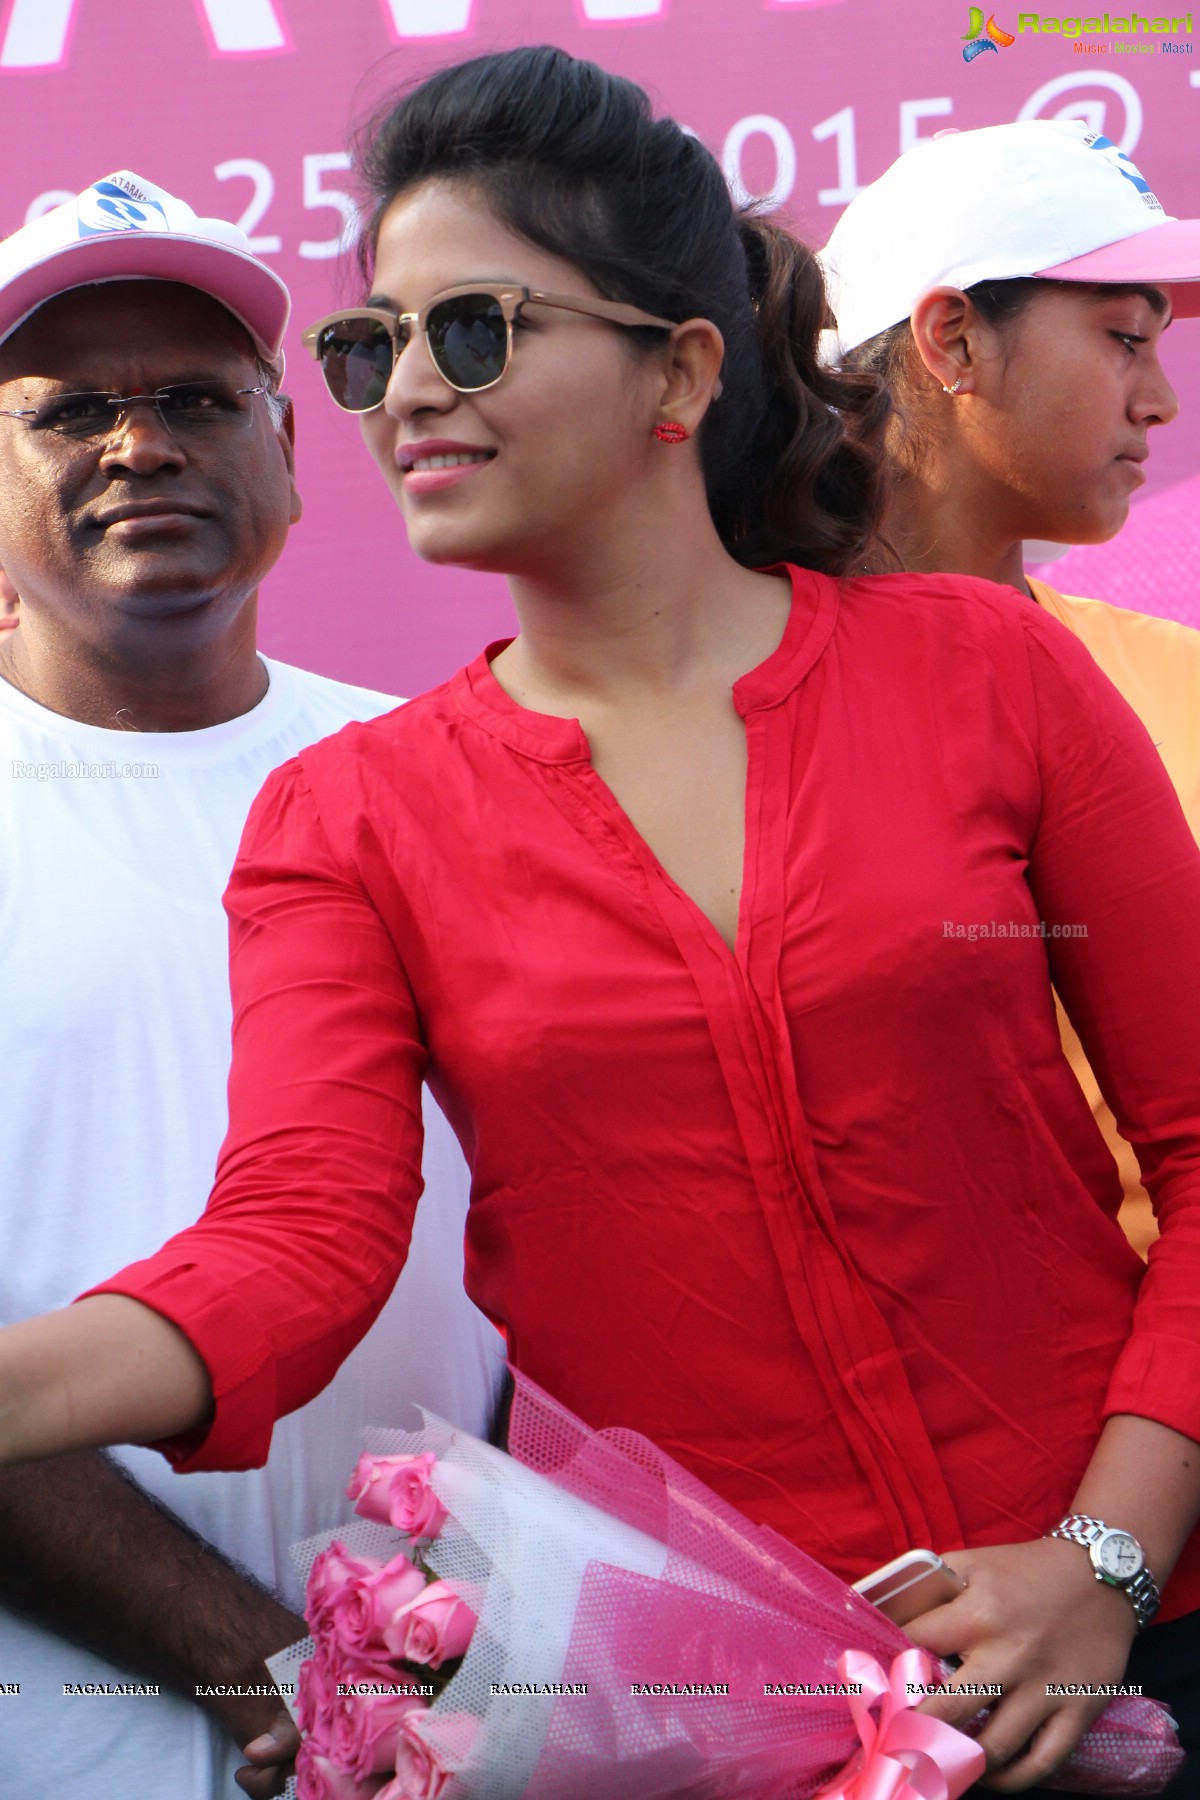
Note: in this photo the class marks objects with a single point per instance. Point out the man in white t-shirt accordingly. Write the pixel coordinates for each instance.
(145, 490)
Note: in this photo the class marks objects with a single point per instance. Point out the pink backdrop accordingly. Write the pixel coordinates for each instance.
(243, 107)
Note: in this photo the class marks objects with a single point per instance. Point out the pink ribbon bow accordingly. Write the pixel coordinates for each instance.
(905, 1755)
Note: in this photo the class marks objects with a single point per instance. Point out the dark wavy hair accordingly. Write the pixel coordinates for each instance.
(571, 158)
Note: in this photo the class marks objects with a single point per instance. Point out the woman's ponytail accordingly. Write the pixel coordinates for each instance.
(808, 485)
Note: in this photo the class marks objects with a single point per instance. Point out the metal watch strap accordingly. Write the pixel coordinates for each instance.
(1142, 1589)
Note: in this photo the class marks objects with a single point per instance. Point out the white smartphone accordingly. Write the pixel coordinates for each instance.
(910, 1585)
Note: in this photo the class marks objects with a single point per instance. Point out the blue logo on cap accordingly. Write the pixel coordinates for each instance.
(106, 208)
(1125, 167)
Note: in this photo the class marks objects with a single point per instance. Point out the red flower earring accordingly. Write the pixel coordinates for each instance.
(667, 431)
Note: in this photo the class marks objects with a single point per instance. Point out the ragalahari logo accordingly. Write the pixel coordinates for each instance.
(994, 39)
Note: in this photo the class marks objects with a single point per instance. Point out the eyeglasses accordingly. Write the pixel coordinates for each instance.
(469, 332)
(186, 408)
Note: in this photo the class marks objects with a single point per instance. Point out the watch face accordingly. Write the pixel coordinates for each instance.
(1119, 1555)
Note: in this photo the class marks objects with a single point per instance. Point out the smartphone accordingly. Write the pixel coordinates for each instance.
(909, 1585)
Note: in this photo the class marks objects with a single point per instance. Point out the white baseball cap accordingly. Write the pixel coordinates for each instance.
(1047, 197)
(124, 228)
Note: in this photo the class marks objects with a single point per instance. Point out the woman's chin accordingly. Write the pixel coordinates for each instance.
(450, 549)
(463, 550)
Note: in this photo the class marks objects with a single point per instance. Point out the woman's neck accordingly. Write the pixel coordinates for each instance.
(655, 613)
(933, 528)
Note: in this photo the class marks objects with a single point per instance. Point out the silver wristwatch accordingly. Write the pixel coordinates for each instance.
(1117, 1559)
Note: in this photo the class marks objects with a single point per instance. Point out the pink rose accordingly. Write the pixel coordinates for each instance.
(316, 1696)
(432, 1627)
(366, 1605)
(396, 1491)
(317, 1778)
(328, 1576)
(367, 1726)
(421, 1774)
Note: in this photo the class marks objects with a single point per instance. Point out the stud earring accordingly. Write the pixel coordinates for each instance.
(954, 389)
(667, 431)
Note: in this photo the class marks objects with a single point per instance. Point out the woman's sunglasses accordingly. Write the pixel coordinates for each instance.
(469, 331)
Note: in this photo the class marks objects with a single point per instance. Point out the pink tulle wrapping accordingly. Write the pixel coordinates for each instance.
(631, 1629)
(1133, 1734)
(627, 1627)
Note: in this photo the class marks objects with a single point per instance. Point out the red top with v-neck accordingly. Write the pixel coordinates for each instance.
(828, 1218)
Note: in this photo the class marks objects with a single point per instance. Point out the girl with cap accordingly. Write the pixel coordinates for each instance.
(690, 900)
(1020, 344)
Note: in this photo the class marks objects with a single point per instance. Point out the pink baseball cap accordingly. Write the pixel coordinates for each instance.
(125, 229)
(1043, 197)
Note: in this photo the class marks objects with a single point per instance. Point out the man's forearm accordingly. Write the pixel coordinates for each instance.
(86, 1553)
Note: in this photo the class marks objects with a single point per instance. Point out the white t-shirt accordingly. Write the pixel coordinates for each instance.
(115, 848)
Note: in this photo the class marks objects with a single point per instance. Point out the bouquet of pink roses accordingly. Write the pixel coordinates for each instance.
(581, 1619)
(387, 1637)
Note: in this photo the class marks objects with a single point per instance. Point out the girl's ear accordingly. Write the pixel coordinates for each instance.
(943, 326)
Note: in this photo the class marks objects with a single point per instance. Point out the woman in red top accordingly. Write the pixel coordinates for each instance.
(720, 909)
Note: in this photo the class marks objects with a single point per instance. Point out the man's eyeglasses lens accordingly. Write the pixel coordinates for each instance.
(185, 407)
(467, 337)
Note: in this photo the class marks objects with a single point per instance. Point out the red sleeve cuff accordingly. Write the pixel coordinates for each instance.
(233, 1348)
(1158, 1377)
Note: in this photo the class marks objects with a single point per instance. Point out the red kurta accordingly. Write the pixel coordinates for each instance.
(829, 1219)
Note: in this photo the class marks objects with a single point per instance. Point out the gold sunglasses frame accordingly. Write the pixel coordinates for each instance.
(510, 301)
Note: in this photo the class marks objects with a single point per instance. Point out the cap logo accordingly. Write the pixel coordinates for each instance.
(106, 207)
(1122, 164)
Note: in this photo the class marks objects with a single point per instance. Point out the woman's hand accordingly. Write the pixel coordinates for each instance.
(1032, 1615)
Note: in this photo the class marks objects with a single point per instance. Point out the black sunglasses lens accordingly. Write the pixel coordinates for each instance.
(356, 358)
(468, 340)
